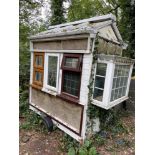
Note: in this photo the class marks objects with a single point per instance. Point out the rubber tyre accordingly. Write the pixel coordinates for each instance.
(48, 123)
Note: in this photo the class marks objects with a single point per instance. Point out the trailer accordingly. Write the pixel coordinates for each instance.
(74, 65)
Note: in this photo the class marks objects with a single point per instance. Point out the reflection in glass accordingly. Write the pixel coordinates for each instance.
(39, 61)
(98, 94)
(71, 62)
(101, 69)
(52, 70)
(38, 76)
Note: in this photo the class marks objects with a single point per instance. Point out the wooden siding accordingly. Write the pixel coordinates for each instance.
(67, 113)
(109, 48)
(75, 44)
(108, 33)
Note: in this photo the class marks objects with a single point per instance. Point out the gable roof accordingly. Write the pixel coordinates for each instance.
(85, 26)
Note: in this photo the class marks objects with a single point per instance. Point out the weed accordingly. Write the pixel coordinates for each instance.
(86, 149)
(31, 119)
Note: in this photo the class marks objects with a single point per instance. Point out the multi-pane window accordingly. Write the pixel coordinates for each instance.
(99, 81)
(38, 69)
(71, 83)
(52, 64)
(71, 75)
(120, 81)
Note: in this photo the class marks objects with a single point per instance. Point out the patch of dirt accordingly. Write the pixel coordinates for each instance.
(40, 143)
(35, 142)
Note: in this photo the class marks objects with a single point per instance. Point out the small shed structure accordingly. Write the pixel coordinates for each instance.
(68, 61)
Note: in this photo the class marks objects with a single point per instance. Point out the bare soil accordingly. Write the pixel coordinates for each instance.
(36, 142)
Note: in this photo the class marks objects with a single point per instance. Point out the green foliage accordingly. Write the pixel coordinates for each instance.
(82, 9)
(71, 151)
(86, 149)
(68, 142)
(57, 12)
(28, 11)
(98, 140)
(109, 119)
(124, 10)
(127, 26)
(23, 102)
(31, 119)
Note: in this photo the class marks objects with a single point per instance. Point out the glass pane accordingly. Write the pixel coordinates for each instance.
(101, 69)
(117, 82)
(120, 80)
(116, 93)
(120, 92)
(119, 71)
(112, 95)
(39, 61)
(98, 94)
(99, 82)
(125, 81)
(38, 76)
(114, 83)
(71, 83)
(71, 62)
(124, 91)
(52, 70)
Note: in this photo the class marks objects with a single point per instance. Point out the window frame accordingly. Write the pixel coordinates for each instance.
(34, 64)
(35, 83)
(46, 86)
(127, 85)
(78, 70)
(105, 81)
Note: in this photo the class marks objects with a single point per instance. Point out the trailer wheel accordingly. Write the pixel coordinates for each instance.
(48, 123)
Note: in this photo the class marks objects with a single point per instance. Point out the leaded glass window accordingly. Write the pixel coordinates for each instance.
(38, 69)
(71, 75)
(99, 81)
(120, 81)
(71, 83)
(39, 61)
(71, 62)
(38, 76)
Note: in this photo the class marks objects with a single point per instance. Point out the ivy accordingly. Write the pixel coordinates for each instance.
(92, 110)
(109, 119)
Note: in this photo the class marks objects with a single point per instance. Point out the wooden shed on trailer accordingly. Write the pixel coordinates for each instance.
(68, 58)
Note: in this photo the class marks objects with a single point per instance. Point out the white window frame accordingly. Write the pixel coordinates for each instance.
(104, 95)
(127, 86)
(106, 103)
(46, 86)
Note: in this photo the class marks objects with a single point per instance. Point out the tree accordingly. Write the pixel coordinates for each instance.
(29, 23)
(127, 25)
(58, 11)
(124, 10)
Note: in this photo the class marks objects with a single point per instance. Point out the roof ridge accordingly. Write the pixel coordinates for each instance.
(92, 19)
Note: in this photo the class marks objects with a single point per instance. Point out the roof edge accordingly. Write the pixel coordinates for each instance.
(93, 19)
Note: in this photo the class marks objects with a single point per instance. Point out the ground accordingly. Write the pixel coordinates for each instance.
(43, 143)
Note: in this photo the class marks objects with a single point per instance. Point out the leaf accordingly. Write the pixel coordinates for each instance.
(82, 151)
(71, 151)
(92, 151)
(87, 143)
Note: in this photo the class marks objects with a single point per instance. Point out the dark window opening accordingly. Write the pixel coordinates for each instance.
(71, 76)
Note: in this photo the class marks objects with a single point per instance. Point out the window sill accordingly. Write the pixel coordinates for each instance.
(49, 91)
(36, 86)
(68, 99)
